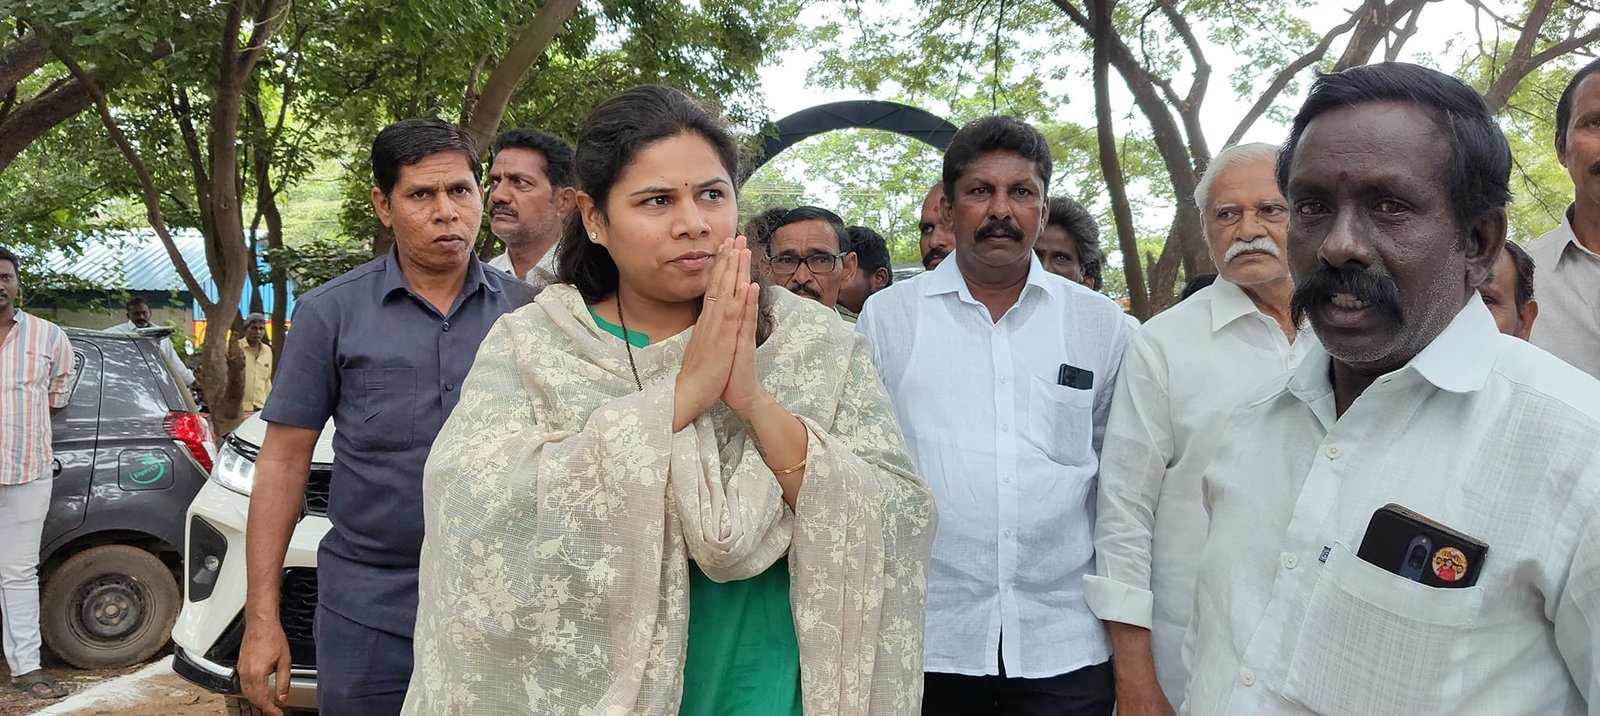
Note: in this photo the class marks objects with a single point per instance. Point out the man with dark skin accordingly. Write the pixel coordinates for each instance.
(1509, 292)
(873, 272)
(1069, 243)
(807, 255)
(530, 194)
(1568, 256)
(381, 350)
(139, 317)
(1414, 406)
(933, 229)
(1009, 446)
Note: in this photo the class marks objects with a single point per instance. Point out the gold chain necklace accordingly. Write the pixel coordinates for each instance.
(627, 343)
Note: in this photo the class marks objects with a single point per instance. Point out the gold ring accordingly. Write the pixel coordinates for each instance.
(711, 298)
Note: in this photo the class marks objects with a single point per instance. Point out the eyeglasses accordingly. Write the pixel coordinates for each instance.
(817, 263)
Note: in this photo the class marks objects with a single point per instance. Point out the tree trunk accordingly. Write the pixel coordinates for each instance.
(1111, 164)
(526, 50)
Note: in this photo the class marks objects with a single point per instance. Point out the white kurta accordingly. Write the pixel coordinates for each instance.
(1011, 457)
(1184, 373)
(1566, 283)
(1481, 432)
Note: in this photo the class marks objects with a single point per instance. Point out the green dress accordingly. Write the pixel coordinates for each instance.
(742, 656)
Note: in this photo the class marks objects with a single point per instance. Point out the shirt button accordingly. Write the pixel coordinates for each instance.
(446, 326)
(449, 386)
(1247, 677)
(1008, 534)
(1004, 379)
(1005, 427)
(1333, 452)
(1291, 560)
(1005, 479)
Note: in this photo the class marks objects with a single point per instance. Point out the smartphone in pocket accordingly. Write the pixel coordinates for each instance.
(1401, 541)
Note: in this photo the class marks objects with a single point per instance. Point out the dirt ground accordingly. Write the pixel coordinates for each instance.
(166, 695)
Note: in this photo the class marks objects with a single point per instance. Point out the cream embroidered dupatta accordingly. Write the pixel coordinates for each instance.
(561, 511)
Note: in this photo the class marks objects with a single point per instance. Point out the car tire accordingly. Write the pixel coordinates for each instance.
(109, 606)
(240, 706)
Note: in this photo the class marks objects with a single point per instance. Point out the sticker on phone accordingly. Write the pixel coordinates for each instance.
(1449, 564)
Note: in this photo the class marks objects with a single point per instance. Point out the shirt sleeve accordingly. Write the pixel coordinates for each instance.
(309, 367)
(1576, 613)
(60, 391)
(184, 374)
(1133, 465)
(1103, 397)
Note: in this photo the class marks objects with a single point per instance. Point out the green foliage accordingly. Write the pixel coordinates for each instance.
(318, 261)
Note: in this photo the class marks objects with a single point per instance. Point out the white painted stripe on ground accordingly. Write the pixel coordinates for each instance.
(122, 691)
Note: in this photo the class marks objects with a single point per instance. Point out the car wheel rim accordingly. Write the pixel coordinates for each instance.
(110, 609)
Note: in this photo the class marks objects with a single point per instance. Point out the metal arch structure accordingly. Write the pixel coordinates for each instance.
(904, 120)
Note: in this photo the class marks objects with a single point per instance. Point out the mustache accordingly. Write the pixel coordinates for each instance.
(1363, 284)
(999, 227)
(934, 254)
(502, 209)
(1259, 243)
(806, 290)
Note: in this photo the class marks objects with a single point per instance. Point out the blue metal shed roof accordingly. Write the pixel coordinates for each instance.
(137, 261)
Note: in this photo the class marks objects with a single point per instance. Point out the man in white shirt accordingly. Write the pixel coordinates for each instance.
(1183, 374)
(1001, 375)
(530, 193)
(1397, 179)
(139, 317)
(1568, 257)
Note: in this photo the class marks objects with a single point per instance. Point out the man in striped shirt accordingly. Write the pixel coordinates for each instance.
(35, 380)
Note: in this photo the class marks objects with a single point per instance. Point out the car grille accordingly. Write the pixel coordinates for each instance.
(297, 607)
(317, 484)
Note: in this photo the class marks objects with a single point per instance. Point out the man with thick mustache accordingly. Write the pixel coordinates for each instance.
(933, 231)
(382, 350)
(1001, 374)
(1413, 427)
(1184, 372)
(807, 255)
(530, 194)
(1568, 256)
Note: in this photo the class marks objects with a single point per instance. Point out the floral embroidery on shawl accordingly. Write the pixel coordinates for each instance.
(561, 511)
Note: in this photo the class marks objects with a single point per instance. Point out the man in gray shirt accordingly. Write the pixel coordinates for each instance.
(382, 350)
(1568, 257)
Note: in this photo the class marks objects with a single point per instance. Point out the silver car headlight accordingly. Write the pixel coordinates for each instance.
(234, 471)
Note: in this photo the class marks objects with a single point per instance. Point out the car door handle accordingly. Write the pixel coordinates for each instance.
(55, 468)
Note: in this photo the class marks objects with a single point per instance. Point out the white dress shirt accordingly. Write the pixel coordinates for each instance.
(1481, 432)
(182, 371)
(1184, 373)
(1567, 286)
(547, 264)
(1011, 458)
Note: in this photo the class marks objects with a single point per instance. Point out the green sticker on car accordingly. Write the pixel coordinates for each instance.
(139, 470)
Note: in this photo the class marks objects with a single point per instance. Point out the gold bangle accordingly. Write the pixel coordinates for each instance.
(796, 468)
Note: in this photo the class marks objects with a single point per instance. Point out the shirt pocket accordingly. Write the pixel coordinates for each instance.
(1375, 642)
(388, 407)
(1061, 422)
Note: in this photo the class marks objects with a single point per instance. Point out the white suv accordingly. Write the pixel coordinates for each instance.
(211, 626)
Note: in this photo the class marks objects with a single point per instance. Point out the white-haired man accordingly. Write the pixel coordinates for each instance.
(1182, 375)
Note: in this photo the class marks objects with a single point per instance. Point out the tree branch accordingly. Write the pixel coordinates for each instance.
(1311, 57)
(1110, 163)
(147, 185)
(1405, 33)
(528, 48)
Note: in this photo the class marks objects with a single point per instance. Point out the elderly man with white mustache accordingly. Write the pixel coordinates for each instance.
(1182, 375)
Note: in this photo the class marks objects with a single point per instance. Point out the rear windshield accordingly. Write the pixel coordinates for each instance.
(177, 396)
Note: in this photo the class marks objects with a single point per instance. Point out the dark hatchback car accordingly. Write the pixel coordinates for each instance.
(131, 450)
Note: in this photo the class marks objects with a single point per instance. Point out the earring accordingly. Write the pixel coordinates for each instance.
(593, 236)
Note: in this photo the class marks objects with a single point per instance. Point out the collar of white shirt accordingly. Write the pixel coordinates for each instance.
(1458, 360)
(947, 278)
(1229, 303)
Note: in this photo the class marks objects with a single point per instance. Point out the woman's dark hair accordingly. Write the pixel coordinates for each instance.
(610, 140)
(1477, 171)
(409, 141)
